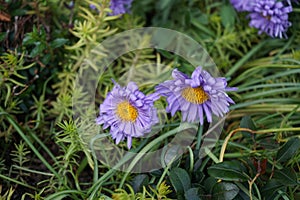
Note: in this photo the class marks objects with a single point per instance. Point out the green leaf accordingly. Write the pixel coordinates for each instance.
(180, 180)
(247, 122)
(139, 181)
(2, 36)
(38, 49)
(226, 191)
(46, 59)
(271, 187)
(156, 173)
(228, 171)
(192, 193)
(29, 39)
(286, 176)
(288, 150)
(8, 93)
(209, 184)
(18, 12)
(58, 42)
(227, 16)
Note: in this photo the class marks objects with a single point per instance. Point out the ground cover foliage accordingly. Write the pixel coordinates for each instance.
(43, 156)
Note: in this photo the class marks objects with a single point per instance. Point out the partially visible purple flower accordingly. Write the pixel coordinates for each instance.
(201, 94)
(120, 6)
(271, 17)
(243, 5)
(128, 112)
(93, 7)
(117, 6)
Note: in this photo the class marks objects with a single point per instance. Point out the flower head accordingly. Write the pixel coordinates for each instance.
(120, 6)
(201, 94)
(128, 112)
(240, 5)
(271, 17)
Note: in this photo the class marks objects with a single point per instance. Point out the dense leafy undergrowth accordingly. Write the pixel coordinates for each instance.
(44, 155)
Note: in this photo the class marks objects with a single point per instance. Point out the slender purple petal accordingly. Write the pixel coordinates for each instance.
(270, 17)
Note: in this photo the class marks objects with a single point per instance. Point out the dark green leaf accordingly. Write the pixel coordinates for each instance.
(226, 191)
(286, 176)
(288, 150)
(18, 12)
(46, 59)
(139, 181)
(180, 180)
(37, 50)
(58, 42)
(192, 194)
(247, 122)
(156, 173)
(267, 143)
(42, 34)
(198, 176)
(228, 170)
(241, 196)
(28, 39)
(209, 184)
(271, 187)
(227, 15)
(2, 36)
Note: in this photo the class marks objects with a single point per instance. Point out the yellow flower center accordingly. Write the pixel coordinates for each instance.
(126, 111)
(194, 95)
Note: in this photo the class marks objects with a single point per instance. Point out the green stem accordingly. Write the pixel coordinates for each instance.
(211, 155)
(277, 130)
(245, 190)
(199, 136)
(43, 146)
(15, 181)
(95, 177)
(32, 171)
(296, 10)
(59, 195)
(191, 159)
(166, 169)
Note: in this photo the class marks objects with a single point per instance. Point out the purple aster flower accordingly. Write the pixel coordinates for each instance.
(243, 5)
(128, 112)
(201, 94)
(93, 7)
(120, 6)
(271, 17)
